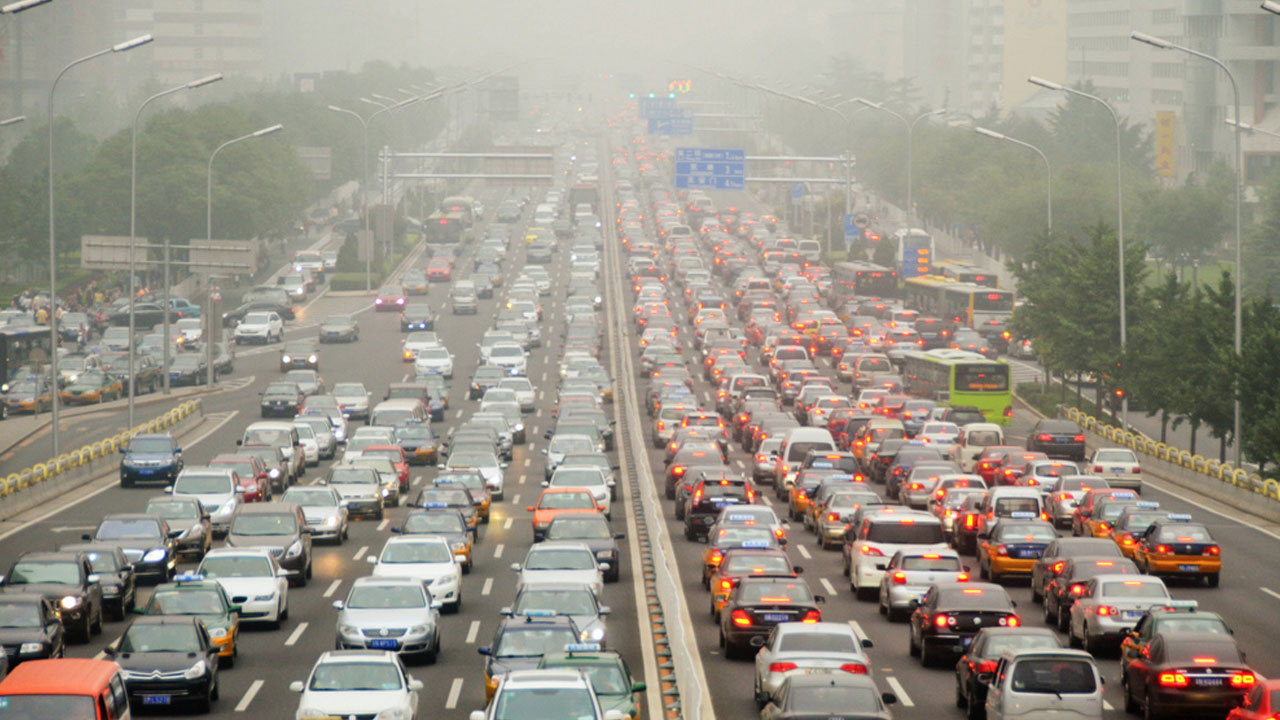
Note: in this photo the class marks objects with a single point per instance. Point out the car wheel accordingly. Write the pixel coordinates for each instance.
(928, 657)
(913, 648)
(961, 701)
(1130, 704)
(1148, 709)
(95, 627)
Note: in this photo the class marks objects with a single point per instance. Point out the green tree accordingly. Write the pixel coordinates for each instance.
(1262, 246)
(1259, 375)
(1155, 379)
(1185, 223)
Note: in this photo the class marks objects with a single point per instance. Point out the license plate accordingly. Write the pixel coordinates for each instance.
(1209, 682)
(147, 472)
(382, 644)
(1029, 554)
(1188, 568)
(1131, 614)
(776, 617)
(156, 699)
(966, 641)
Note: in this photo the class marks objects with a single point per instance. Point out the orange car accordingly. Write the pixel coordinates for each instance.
(554, 502)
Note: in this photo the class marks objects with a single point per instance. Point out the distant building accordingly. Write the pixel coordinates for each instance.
(1005, 42)
(195, 38)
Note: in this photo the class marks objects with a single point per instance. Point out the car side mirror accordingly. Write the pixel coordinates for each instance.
(619, 536)
(415, 684)
(371, 559)
(109, 651)
(529, 508)
(912, 604)
(296, 686)
(515, 566)
(820, 599)
(339, 604)
(888, 698)
(483, 650)
(86, 536)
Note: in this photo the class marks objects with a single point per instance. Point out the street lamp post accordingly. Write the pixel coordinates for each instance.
(1048, 171)
(1162, 44)
(208, 215)
(53, 246)
(908, 125)
(13, 120)
(14, 8)
(1115, 117)
(133, 227)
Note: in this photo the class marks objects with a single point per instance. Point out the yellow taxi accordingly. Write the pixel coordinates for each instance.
(1130, 521)
(756, 537)
(535, 233)
(556, 501)
(191, 594)
(1012, 545)
(94, 386)
(744, 562)
(1177, 547)
(1092, 519)
(473, 481)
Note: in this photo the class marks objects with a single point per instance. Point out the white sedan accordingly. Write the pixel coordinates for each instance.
(252, 579)
(561, 562)
(346, 683)
(427, 558)
(525, 394)
(434, 361)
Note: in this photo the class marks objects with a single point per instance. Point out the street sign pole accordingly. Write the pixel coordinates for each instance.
(165, 310)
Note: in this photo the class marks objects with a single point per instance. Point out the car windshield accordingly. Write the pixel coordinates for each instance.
(265, 436)
(818, 642)
(158, 446)
(186, 602)
(19, 615)
(572, 477)
(310, 498)
(233, 566)
(534, 642)
(140, 529)
(559, 559)
(265, 524)
(355, 676)
(416, 552)
(353, 476)
(564, 602)
(757, 564)
(1025, 533)
(434, 522)
(177, 638)
(1116, 456)
(103, 562)
(256, 319)
(567, 501)
(369, 597)
(1174, 624)
(571, 528)
(1055, 676)
(782, 591)
(173, 509)
(35, 572)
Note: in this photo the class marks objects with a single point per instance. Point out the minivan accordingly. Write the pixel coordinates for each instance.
(463, 297)
(391, 413)
(973, 438)
(66, 688)
(1037, 683)
(796, 445)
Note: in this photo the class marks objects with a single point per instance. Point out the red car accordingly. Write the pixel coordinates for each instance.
(388, 301)
(252, 473)
(1261, 703)
(439, 269)
(989, 461)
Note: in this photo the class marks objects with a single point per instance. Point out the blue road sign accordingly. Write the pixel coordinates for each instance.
(671, 126)
(711, 168)
(797, 190)
(851, 231)
(658, 107)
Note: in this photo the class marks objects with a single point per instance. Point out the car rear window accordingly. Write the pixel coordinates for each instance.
(817, 642)
(800, 449)
(1056, 676)
(902, 533)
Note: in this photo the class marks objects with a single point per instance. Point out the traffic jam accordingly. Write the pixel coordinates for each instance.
(441, 525)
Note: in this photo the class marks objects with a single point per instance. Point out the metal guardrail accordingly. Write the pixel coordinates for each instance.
(1208, 467)
(41, 472)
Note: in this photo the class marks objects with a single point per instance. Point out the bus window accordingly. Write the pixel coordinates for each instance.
(991, 377)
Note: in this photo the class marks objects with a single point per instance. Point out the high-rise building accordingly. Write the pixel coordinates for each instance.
(919, 40)
(197, 37)
(1005, 42)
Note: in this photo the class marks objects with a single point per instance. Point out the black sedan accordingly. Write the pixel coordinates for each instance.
(945, 621)
(188, 522)
(145, 541)
(233, 318)
(145, 315)
(189, 369)
(592, 530)
(757, 604)
(167, 660)
(1057, 439)
(339, 328)
(1184, 674)
(417, 317)
(115, 575)
(64, 579)
(281, 400)
(983, 653)
(30, 628)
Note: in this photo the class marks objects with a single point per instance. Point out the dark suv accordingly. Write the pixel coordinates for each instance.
(710, 495)
(1057, 439)
(66, 579)
(150, 458)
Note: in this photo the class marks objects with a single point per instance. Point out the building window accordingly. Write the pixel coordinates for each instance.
(1166, 97)
(1167, 69)
(1163, 17)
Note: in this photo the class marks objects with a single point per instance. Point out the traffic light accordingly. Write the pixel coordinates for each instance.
(631, 95)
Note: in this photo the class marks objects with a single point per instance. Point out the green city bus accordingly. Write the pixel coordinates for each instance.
(959, 378)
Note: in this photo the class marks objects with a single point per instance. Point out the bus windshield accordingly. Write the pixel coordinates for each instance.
(981, 378)
(993, 301)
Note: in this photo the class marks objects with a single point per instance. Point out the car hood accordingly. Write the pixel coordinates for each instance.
(133, 549)
(385, 618)
(247, 586)
(559, 576)
(356, 491)
(211, 501)
(17, 636)
(156, 661)
(150, 458)
(356, 702)
(317, 515)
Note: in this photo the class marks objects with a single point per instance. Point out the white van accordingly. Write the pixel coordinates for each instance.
(796, 444)
(393, 413)
(810, 250)
(974, 438)
(1044, 683)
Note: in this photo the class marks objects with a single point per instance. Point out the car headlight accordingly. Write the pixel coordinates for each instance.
(217, 632)
(227, 508)
(274, 473)
(154, 555)
(332, 520)
(311, 359)
(110, 590)
(418, 630)
(294, 550)
(348, 629)
(457, 546)
(70, 602)
(595, 634)
(30, 647)
(519, 427)
(286, 359)
(313, 713)
(393, 714)
(196, 671)
(264, 598)
(604, 555)
(386, 492)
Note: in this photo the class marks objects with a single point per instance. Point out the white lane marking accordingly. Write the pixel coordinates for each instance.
(900, 691)
(506, 524)
(804, 551)
(415, 482)
(297, 633)
(826, 585)
(458, 414)
(488, 586)
(112, 485)
(360, 553)
(520, 480)
(497, 550)
(766, 500)
(544, 376)
(102, 654)
(383, 525)
(333, 588)
(454, 691)
(857, 629)
(249, 695)
(528, 462)
(1270, 592)
(1108, 706)
(473, 631)
(515, 499)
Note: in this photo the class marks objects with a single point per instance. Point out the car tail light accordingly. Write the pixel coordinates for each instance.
(1173, 679)
(1077, 589)
(1243, 680)
(813, 616)
(943, 620)
(832, 517)
(1044, 437)
(872, 551)
(726, 585)
(740, 618)
(1057, 567)
(962, 577)
(899, 578)
(1213, 550)
(854, 668)
(662, 425)
(782, 667)
(677, 470)
(1126, 539)
(1078, 438)
(969, 521)
(986, 666)
(1002, 550)
(1011, 621)
(1106, 611)
(779, 533)
(1162, 550)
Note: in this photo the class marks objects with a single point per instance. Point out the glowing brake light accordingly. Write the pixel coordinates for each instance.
(1173, 679)
(813, 616)
(899, 578)
(1243, 679)
(778, 667)
(740, 618)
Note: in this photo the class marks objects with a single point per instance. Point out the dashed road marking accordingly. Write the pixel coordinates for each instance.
(900, 691)
(515, 499)
(497, 550)
(333, 588)
(473, 631)
(383, 525)
(826, 585)
(506, 524)
(454, 691)
(488, 586)
(766, 500)
(249, 695)
(804, 551)
(297, 633)
(1270, 592)
(528, 462)
(360, 553)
